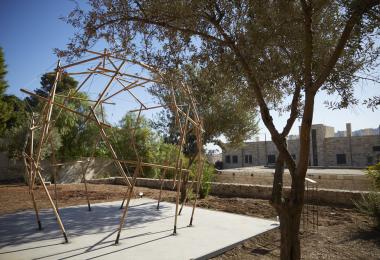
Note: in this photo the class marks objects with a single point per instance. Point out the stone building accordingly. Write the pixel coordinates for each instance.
(326, 149)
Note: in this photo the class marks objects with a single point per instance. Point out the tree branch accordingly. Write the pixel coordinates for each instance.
(278, 140)
(308, 56)
(175, 28)
(359, 7)
(293, 111)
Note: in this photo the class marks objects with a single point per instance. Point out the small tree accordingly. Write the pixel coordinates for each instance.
(284, 53)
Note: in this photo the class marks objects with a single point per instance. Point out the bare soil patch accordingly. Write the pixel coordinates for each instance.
(342, 233)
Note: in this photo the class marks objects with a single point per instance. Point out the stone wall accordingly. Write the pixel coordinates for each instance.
(69, 172)
(10, 169)
(362, 150)
(323, 150)
(323, 196)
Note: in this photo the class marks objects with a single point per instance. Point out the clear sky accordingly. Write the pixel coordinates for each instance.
(29, 30)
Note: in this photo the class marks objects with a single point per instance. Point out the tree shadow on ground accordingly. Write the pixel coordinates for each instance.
(21, 227)
(368, 234)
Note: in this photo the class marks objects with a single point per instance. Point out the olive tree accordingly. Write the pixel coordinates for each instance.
(283, 52)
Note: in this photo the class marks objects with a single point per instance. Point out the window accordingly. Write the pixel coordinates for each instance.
(341, 158)
(376, 148)
(234, 159)
(314, 146)
(271, 159)
(228, 159)
(248, 158)
(369, 160)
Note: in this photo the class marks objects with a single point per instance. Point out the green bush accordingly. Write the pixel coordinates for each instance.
(208, 173)
(370, 204)
(374, 173)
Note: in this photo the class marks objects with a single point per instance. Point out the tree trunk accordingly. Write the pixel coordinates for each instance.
(289, 209)
(290, 218)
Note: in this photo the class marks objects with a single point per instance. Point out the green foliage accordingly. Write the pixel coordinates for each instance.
(208, 174)
(12, 109)
(225, 110)
(370, 205)
(239, 37)
(65, 84)
(76, 138)
(373, 173)
(15, 141)
(3, 73)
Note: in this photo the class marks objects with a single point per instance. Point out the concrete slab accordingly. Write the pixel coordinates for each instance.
(147, 234)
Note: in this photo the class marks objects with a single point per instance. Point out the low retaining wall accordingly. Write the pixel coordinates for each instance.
(323, 196)
(325, 181)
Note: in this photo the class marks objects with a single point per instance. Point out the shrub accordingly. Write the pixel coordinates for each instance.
(374, 173)
(370, 204)
(208, 173)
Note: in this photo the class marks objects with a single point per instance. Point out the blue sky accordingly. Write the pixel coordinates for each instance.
(29, 30)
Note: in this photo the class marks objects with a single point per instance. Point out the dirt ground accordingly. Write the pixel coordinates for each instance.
(342, 233)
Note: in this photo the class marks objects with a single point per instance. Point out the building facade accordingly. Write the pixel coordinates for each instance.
(327, 149)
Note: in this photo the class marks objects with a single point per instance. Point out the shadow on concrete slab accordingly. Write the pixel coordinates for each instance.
(21, 227)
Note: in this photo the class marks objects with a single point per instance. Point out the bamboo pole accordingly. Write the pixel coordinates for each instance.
(106, 140)
(130, 86)
(133, 95)
(107, 86)
(63, 106)
(53, 206)
(45, 131)
(177, 198)
(86, 79)
(104, 91)
(81, 62)
(31, 191)
(181, 142)
(84, 99)
(130, 75)
(85, 184)
(134, 148)
(125, 212)
(187, 193)
(199, 173)
(54, 172)
(162, 178)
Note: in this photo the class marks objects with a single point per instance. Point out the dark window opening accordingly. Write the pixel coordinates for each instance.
(234, 159)
(369, 160)
(314, 146)
(271, 159)
(341, 158)
(228, 159)
(376, 148)
(248, 158)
